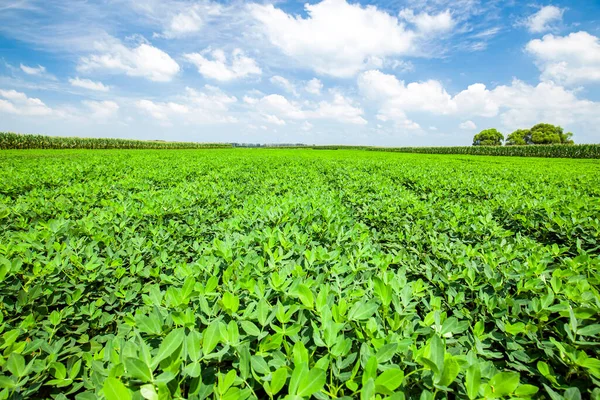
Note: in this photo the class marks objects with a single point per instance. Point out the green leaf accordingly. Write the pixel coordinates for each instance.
(437, 352)
(193, 345)
(298, 374)
(590, 330)
(312, 382)
(259, 365)
(390, 379)
(306, 296)
(362, 310)
(148, 392)
(225, 381)
(168, 346)
(572, 393)
(278, 379)
(138, 369)
(514, 329)
(552, 393)
(16, 365)
(114, 389)
(368, 390)
(526, 390)
(7, 383)
(250, 328)
(451, 370)
(473, 381)
(503, 384)
(386, 352)
(211, 337)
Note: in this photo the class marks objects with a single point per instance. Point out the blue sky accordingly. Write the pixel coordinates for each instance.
(376, 72)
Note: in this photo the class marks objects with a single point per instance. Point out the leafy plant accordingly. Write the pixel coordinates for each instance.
(244, 274)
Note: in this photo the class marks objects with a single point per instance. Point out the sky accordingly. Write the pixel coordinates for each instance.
(371, 72)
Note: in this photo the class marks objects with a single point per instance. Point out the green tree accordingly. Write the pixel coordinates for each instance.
(488, 137)
(539, 134)
(520, 137)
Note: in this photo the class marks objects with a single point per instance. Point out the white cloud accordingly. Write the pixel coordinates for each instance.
(336, 38)
(285, 84)
(396, 96)
(468, 125)
(220, 69)
(144, 60)
(209, 106)
(89, 84)
(279, 105)
(518, 104)
(307, 126)
(101, 109)
(542, 20)
(569, 60)
(339, 109)
(272, 119)
(18, 103)
(39, 70)
(428, 24)
(314, 86)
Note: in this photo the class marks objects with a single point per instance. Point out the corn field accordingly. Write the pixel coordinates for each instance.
(550, 151)
(19, 141)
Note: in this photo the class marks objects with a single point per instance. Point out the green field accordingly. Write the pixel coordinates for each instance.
(237, 273)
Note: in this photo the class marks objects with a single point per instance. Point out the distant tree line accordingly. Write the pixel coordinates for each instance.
(539, 134)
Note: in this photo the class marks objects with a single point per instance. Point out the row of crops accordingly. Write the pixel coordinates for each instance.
(19, 141)
(239, 274)
(551, 151)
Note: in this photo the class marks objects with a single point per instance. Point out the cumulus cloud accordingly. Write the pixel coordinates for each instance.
(13, 102)
(285, 84)
(542, 20)
(568, 60)
(88, 84)
(336, 38)
(428, 24)
(101, 109)
(222, 69)
(340, 109)
(144, 61)
(209, 106)
(314, 86)
(272, 119)
(468, 125)
(190, 20)
(518, 104)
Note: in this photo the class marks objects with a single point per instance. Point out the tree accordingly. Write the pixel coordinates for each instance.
(488, 137)
(520, 137)
(539, 134)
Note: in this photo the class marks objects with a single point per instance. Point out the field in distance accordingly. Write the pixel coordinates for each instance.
(254, 274)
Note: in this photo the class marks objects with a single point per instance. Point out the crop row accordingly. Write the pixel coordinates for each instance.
(18, 141)
(238, 274)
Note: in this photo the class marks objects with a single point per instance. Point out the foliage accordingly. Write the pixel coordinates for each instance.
(241, 274)
(19, 141)
(539, 134)
(488, 137)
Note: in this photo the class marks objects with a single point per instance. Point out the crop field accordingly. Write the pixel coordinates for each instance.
(263, 274)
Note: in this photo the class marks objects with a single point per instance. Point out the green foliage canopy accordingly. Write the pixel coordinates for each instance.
(539, 134)
(296, 274)
(488, 137)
